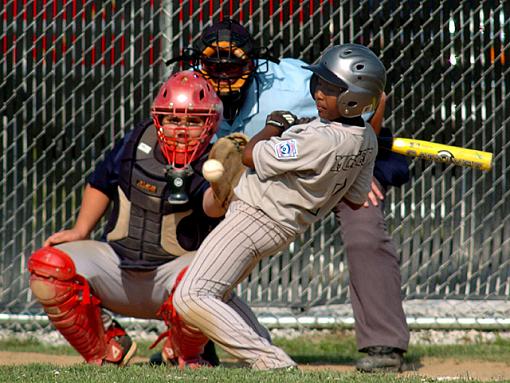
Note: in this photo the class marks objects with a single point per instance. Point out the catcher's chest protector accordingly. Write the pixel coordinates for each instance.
(143, 229)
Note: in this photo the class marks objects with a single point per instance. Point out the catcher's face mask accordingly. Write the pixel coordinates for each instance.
(225, 58)
(186, 113)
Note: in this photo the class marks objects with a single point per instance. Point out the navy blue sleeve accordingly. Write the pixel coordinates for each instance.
(106, 175)
(391, 169)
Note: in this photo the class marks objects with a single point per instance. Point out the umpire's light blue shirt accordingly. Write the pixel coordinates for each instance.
(284, 86)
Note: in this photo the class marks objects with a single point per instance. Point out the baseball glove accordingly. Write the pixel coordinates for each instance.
(229, 151)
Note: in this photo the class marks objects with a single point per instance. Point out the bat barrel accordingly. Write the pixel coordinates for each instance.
(443, 153)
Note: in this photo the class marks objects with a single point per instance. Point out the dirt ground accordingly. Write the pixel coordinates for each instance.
(442, 369)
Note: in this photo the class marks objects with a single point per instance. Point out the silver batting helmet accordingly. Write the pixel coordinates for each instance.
(356, 69)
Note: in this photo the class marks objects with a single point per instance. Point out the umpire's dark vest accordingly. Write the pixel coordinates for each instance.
(145, 230)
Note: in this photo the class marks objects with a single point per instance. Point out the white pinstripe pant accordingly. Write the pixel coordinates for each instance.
(226, 257)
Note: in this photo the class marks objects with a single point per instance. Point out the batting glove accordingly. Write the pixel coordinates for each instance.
(282, 119)
(304, 120)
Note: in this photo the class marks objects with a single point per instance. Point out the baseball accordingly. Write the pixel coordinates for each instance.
(212, 170)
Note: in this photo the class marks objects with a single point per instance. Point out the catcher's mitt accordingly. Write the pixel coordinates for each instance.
(229, 151)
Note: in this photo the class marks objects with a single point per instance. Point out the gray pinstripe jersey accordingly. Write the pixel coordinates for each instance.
(300, 176)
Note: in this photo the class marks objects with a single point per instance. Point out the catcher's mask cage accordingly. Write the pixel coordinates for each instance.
(226, 56)
(357, 71)
(226, 50)
(186, 113)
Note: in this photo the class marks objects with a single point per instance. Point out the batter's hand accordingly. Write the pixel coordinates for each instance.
(282, 119)
(374, 195)
(304, 120)
(70, 235)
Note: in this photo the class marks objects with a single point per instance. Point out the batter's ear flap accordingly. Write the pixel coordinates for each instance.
(313, 84)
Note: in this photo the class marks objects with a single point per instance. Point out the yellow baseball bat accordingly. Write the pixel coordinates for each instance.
(446, 154)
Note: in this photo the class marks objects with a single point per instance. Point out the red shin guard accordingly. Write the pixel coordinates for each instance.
(184, 342)
(66, 298)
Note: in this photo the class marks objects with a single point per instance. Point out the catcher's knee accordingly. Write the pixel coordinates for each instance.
(52, 277)
(66, 298)
(56, 285)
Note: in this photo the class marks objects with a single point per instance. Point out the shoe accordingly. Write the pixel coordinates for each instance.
(381, 359)
(120, 346)
(209, 354)
(159, 358)
(167, 356)
(193, 363)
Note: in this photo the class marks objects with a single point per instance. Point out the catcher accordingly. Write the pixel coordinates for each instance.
(162, 210)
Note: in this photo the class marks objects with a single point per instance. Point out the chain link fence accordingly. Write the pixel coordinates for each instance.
(77, 74)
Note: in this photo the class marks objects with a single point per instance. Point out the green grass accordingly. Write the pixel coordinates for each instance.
(34, 345)
(341, 349)
(335, 348)
(143, 373)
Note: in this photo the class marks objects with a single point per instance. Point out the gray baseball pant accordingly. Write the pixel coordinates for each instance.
(137, 293)
(226, 257)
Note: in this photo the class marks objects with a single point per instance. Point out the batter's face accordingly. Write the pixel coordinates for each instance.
(326, 95)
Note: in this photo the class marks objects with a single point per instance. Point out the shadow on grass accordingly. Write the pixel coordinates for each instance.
(323, 359)
(412, 364)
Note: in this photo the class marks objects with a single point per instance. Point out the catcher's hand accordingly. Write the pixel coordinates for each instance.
(229, 151)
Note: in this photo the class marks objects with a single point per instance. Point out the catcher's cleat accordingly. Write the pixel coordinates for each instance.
(381, 359)
(120, 346)
(193, 363)
(167, 357)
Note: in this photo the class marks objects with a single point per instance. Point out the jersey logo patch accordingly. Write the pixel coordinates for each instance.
(144, 147)
(141, 184)
(286, 149)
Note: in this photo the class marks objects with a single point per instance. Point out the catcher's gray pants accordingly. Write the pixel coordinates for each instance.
(375, 282)
(226, 257)
(136, 293)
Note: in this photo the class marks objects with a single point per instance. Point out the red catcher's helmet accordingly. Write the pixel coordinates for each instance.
(186, 113)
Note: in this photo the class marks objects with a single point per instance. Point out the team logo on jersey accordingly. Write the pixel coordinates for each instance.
(286, 149)
(141, 184)
(144, 147)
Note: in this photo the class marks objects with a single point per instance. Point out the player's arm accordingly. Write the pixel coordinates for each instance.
(100, 190)
(277, 122)
(264, 135)
(377, 118)
(375, 194)
(93, 206)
